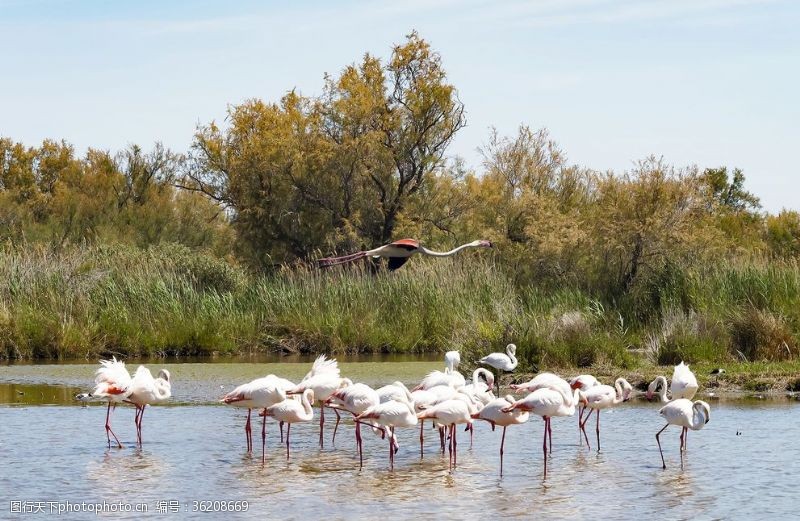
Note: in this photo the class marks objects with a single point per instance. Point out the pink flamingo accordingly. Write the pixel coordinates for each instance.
(112, 384)
(148, 390)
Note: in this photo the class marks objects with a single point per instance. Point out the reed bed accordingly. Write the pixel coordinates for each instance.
(85, 302)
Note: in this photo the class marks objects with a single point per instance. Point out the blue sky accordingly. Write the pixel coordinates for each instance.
(705, 82)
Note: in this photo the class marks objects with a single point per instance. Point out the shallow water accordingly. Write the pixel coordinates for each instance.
(744, 464)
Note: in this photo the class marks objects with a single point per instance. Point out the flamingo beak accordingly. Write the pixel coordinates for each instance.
(487, 244)
(648, 394)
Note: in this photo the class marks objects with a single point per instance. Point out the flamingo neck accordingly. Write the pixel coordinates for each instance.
(306, 401)
(698, 416)
(619, 397)
(662, 388)
(432, 253)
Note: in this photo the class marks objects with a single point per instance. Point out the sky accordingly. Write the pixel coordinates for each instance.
(699, 82)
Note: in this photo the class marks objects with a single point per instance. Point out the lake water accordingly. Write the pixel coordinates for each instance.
(744, 464)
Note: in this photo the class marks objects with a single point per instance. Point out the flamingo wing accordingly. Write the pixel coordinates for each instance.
(396, 262)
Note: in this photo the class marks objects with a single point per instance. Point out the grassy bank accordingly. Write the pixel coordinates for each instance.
(98, 301)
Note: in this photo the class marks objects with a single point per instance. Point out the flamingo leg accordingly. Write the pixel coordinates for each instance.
(581, 410)
(139, 427)
(358, 444)
(335, 427)
(321, 422)
(108, 426)
(583, 428)
(136, 423)
(441, 437)
(455, 446)
(288, 429)
(264, 440)
(598, 430)
(248, 432)
(280, 424)
(421, 439)
(663, 464)
(450, 450)
(502, 443)
(544, 446)
(549, 436)
(685, 438)
(391, 447)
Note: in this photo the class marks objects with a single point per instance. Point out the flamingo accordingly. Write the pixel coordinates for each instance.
(481, 391)
(292, 411)
(323, 378)
(355, 399)
(113, 384)
(547, 402)
(539, 381)
(684, 385)
(448, 377)
(148, 390)
(493, 413)
(602, 397)
(583, 382)
(501, 361)
(394, 391)
(452, 359)
(449, 413)
(686, 414)
(390, 415)
(398, 252)
(258, 394)
(425, 398)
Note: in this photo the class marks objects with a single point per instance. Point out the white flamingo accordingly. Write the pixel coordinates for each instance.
(684, 385)
(480, 390)
(292, 411)
(147, 391)
(449, 414)
(323, 378)
(390, 415)
(394, 391)
(398, 252)
(113, 384)
(583, 382)
(355, 399)
(493, 412)
(425, 398)
(451, 360)
(547, 402)
(501, 361)
(258, 394)
(602, 397)
(686, 414)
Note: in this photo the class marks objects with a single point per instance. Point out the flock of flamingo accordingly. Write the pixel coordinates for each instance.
(443, 397)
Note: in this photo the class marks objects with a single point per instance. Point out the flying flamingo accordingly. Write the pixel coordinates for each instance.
(493, 413)
(449, 414)
(388, 416)
(398, 252)
(258, 394)
(547, 402)
(684, 413)
(501, 361)
(355, 399)
(112, 384)
(292, 411)
(148, 390)
(323, 378)
(582, 382)
(602, 397)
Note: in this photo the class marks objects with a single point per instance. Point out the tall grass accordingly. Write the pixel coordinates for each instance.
(93, 301)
